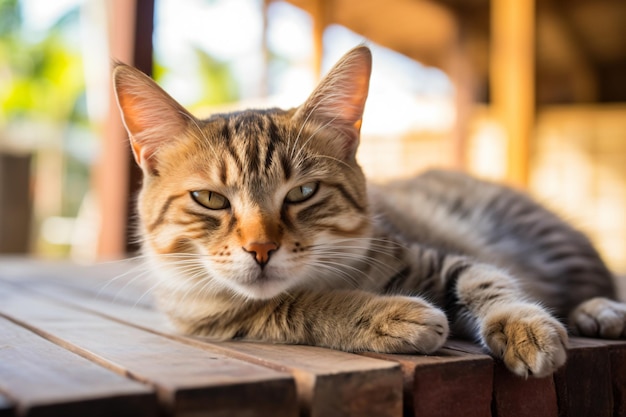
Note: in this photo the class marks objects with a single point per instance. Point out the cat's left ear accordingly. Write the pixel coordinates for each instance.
(339, 99)
(151, 116)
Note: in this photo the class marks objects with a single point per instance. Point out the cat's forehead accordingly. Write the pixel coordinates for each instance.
(254, 151)
(249, 123)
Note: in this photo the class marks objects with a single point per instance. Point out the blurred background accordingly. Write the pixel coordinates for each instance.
(531, 93)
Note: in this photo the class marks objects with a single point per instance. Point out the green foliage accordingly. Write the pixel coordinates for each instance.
(218, 84)
(10, 18)
(39, 80)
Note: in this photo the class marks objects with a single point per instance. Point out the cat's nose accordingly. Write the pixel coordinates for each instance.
(261, 251)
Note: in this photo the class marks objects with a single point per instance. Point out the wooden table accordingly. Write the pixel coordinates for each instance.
(85, 341)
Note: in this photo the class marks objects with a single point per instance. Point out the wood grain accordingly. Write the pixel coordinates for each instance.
(188, 380)
(329, 382)
(124, 281)
(79, 314)
(617, 360)
(617, 356)
(45, 379)
(583, 385)
(514, 396)
(447, 384)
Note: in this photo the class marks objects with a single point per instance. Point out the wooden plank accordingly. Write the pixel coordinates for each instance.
(617, 360)
(6, 407)
(514, 396)
(329, 382)
(124, 281)
(617, 357)
(583, 385)
(46, 380)
(447, 384)
(518, 397)
(188, 380)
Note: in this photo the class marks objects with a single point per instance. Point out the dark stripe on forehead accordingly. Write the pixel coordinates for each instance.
(229, 134)
(286, 164)
(253, 163)
(226, 131)
(274, 137)
(233, 153)
(249, 129)
(164, 208)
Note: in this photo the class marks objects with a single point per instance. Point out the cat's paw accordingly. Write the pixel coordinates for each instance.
(405, 325)
(599, 317)
(528, 339)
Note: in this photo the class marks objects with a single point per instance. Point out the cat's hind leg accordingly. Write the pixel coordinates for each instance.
(599, 317)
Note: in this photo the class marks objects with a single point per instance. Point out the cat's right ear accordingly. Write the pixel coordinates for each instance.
(339, 99)
(150, 115)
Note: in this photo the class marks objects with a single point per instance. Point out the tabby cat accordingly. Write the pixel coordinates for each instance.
(260, 225)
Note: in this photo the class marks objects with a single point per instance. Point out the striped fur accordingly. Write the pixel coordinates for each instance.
(296, 247)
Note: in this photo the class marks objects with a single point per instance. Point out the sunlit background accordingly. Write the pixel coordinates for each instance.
(215, 55)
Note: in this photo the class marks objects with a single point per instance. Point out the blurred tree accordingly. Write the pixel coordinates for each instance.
(40, 79)
(218, 84)
(42, 110)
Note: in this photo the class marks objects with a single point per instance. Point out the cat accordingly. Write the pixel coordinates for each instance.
(260, 225)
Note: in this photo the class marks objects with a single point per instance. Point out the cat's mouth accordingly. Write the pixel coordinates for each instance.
(263, 284)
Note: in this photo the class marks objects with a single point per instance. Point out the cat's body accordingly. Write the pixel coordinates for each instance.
(493, 224)
(260, 225)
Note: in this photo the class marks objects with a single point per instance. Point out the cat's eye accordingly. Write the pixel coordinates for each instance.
(301, 193)
(210, 200)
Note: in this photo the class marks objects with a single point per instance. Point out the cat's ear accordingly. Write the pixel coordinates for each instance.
(339, 99)
(150, 115)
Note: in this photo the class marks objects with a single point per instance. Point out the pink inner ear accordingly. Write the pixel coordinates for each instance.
(339, 100)
(150, 115)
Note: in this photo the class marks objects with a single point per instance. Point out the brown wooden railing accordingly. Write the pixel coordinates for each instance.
(76, 341)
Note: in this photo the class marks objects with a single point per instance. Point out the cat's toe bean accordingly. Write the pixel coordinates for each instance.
(599, 317)
(409, 325)
(527, 339)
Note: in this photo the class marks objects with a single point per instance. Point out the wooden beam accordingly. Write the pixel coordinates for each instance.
(143, 60)
(319, 14)
(116, 176)
(512, 79)
(458, 69)
(15, 203)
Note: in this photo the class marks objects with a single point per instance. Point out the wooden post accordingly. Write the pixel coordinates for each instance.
(15, 203)
(512, 80)
(117, 177)
(458, 68)
(320, 21)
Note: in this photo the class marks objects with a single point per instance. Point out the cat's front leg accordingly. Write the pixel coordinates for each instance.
(523, 334)
(396, 324)
(347, 320)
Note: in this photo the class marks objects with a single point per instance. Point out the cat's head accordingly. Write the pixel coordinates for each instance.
(254, 202)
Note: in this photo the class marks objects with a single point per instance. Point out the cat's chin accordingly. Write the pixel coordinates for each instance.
(261, 287)
(261, 290)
